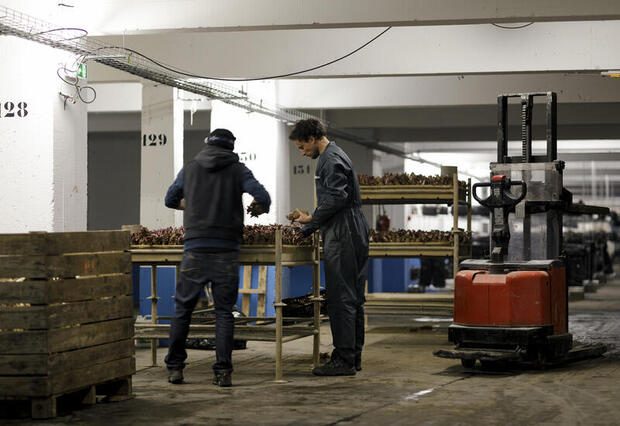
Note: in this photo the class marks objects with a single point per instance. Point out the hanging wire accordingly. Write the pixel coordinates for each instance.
(71, 78)
(269, 77)
(508, 27)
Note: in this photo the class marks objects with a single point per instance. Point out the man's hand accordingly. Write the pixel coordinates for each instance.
(255, 209)
(181, 204)
(306, 231)
(299, 216)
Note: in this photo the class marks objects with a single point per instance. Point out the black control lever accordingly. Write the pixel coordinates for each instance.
(500, 202)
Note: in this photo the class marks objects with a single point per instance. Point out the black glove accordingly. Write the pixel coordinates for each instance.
(255, 209)
(306, 231)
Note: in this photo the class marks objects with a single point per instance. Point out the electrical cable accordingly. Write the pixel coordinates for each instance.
(76, 82)
(507, 27)
(83, 32)
(91, 88)
(191, 75)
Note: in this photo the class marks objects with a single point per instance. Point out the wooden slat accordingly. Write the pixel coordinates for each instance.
(22, 244)
(414, 297)
(24, 365)
(56, 243)
(247, 284)
(24, 342)
(83, 358)
(248, 255)
(44, 364)
(25, 386)
(64, 266)
(90, 288)
(262, 288)
(90, 241)
(34, 292)
(68, 380)
(91, 311)
(73, 379)
(45, 317)
(66, 339)
(27, 318)
(249, 291)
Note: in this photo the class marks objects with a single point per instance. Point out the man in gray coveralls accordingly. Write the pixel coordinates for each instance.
(345, 244)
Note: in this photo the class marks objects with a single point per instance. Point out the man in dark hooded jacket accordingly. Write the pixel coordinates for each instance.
(209, 190)
(345, 244)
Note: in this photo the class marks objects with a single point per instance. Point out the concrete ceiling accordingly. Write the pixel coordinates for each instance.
(430, 83)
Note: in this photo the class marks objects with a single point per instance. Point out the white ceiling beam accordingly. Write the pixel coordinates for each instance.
(412, 91)
(133, 16)
(370, 102)
(438, 50)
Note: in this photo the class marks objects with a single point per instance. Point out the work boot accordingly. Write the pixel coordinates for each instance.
(222, 379)
(334, 367)
(175, 376)
(358, 362)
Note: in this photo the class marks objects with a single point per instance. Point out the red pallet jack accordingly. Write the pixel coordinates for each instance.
(513, 307)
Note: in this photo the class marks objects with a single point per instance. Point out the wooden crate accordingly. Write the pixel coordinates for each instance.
(66, 316)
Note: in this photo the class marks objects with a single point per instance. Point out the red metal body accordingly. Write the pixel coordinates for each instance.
(514, 299)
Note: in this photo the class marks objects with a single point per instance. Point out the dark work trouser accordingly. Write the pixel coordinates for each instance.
(345, 248)
(197, 270)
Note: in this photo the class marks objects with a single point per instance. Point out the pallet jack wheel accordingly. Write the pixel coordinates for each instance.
(468, 363)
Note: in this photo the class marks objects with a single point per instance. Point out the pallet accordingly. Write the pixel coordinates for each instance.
(66, 317)
(54, 405)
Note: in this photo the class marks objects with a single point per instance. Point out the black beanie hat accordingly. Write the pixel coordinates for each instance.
(222, 138)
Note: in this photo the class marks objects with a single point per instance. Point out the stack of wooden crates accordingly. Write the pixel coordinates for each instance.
(66, 318)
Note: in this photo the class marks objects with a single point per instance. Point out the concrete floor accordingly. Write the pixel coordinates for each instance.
(402, 384)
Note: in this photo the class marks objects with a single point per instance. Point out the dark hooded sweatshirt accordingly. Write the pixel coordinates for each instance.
(212, 185)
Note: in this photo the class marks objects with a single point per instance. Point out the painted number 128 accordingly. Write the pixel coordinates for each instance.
(11, 109)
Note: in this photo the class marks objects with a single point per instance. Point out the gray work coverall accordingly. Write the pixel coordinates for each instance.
(345, 246)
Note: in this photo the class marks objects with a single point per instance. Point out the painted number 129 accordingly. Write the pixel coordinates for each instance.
(154, 140)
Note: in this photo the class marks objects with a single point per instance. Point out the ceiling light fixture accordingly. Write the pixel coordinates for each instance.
(611, 74)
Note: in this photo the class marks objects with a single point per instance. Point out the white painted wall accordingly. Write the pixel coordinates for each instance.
(70, 159)
(117, 97)
(43, 155)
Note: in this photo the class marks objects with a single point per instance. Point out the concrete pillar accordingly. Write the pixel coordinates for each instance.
(162, 153)
(43, 150)
(262, 144)
(302, 171)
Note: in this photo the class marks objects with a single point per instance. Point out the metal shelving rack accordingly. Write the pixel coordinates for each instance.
(271, 329)
(422, 194)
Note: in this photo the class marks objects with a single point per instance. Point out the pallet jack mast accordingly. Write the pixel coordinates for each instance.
(513, 307)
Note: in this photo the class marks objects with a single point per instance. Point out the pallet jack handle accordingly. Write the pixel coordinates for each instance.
(500, 197)
(500, 202)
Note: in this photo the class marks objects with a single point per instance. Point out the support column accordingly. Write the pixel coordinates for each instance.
(162, 153)
(262, 144)
(43, 150)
